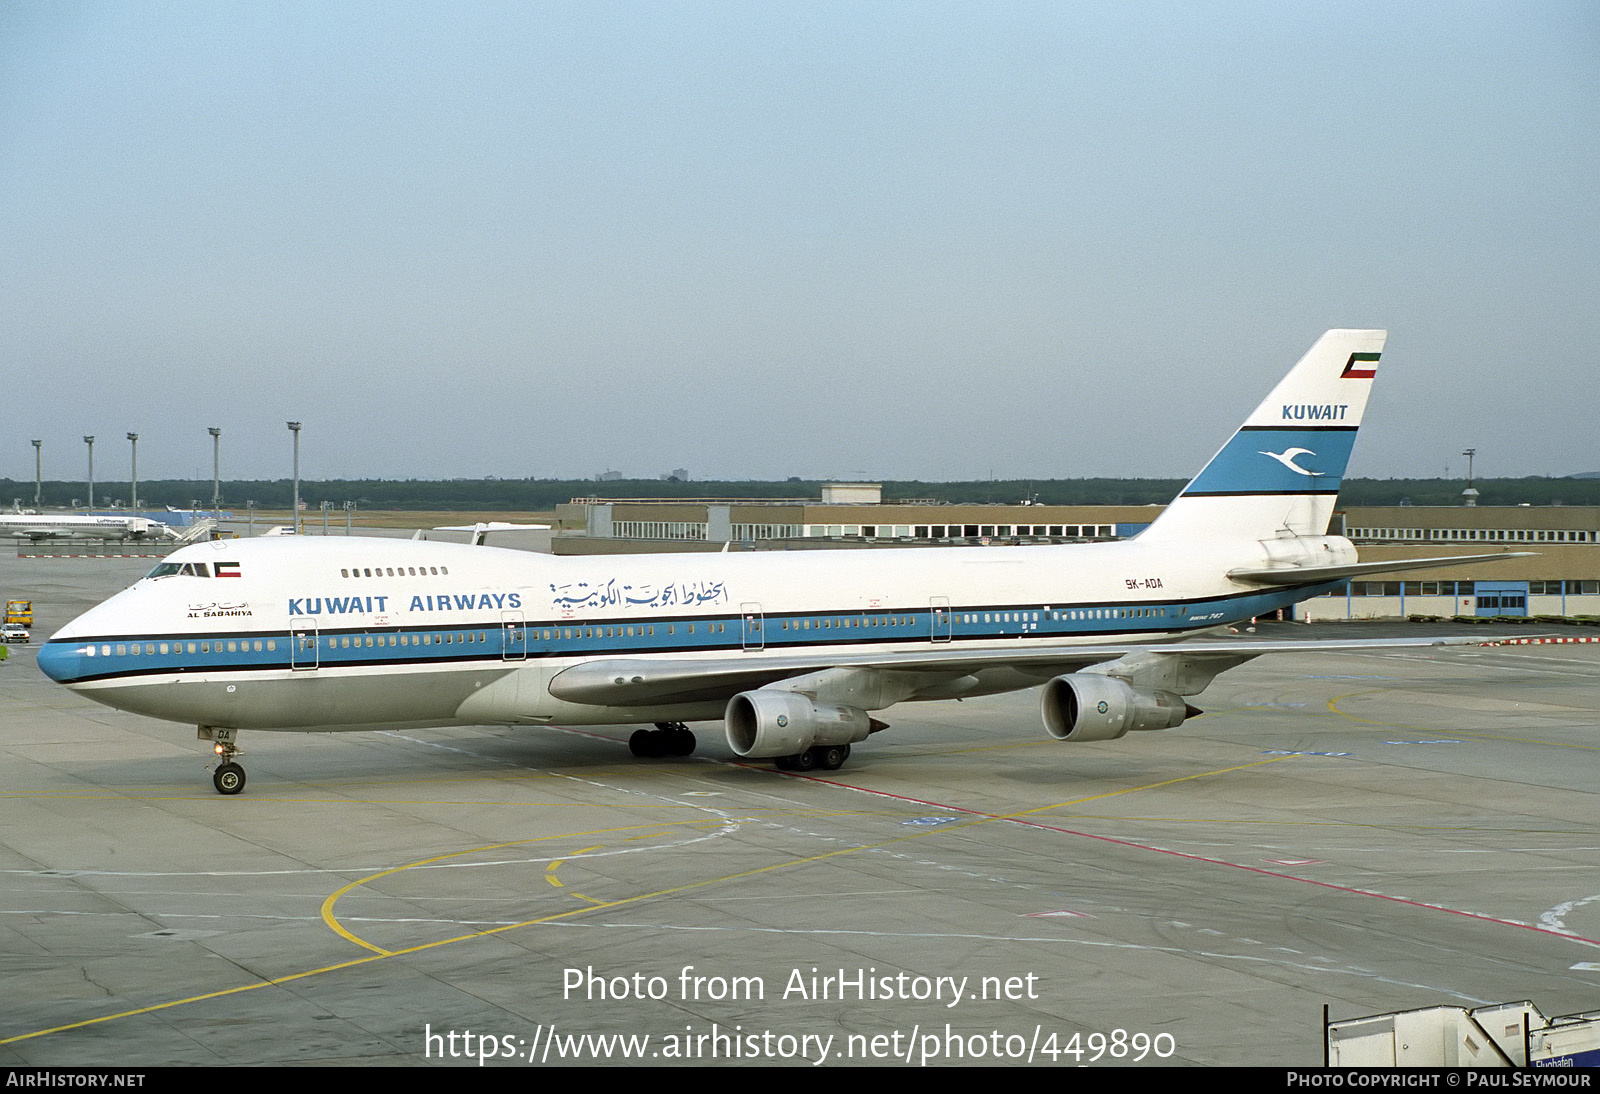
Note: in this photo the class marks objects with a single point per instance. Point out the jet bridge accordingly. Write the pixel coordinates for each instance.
(1498, 1035)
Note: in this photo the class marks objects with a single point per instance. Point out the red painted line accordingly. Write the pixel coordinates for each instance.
(1212, 861)
(1130, 844)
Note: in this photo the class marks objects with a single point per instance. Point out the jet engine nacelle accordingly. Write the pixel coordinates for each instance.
(1090, 707)
(767, 722)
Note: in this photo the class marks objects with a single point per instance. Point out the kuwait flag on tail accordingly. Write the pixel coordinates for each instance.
(1361, 366)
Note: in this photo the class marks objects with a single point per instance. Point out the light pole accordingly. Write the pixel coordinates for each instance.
(133, 438)
(38, 473)
(89, 440)
(294, 427)
(216, 467)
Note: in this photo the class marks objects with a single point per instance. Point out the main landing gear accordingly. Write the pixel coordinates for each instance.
(667, 739)
(228, 777)
(825, 757)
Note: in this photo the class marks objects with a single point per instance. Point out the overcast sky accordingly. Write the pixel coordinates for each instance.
(756, 240)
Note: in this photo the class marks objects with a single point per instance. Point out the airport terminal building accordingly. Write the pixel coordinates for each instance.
(1562, 580)
(850, 515)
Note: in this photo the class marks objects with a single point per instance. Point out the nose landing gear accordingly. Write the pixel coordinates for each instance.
(228, 777)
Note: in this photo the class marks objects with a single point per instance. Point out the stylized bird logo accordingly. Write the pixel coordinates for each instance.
(1288, 457)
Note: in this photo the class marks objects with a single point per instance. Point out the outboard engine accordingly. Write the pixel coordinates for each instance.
(1090, 707)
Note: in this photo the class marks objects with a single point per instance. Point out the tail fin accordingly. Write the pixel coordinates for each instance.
(1280, 473)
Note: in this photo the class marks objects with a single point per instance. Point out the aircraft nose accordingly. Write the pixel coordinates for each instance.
(63, 661)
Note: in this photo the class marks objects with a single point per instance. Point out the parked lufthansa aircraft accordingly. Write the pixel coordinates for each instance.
(793, 652)
(38, 526)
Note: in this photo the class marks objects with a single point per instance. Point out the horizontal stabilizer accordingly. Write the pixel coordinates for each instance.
(483, 528)
(1310, 575)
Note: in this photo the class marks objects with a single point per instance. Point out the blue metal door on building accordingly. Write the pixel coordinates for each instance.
(1501, 597)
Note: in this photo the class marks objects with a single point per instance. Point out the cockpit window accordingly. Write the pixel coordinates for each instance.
(184, 569)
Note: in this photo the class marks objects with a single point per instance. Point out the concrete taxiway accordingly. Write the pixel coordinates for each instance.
(1370, 832)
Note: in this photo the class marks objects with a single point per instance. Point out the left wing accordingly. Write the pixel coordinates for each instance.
(635, 682)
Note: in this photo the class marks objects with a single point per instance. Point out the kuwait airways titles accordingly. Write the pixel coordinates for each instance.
(442, 602)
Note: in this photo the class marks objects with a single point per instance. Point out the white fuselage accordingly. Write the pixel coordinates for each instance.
(326, 634)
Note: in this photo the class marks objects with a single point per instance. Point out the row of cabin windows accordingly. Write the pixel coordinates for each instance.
(1068, 614)
(269, 645)
(345, 641)
(838, 623)
(331, 642)
(150, 649)
(639, 631)
(396, 571)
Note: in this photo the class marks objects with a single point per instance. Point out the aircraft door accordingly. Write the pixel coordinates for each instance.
(303, 645)
(754, 626)
(939, 610)
(514, 637)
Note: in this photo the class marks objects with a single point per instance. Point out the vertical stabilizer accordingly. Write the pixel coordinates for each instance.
(1280, 473)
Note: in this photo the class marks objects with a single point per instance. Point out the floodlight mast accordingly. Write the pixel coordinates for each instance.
(294, 427)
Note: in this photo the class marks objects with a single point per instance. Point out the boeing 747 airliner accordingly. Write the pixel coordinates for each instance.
(793, 652)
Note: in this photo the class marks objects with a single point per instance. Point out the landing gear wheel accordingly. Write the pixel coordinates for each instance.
(803, 761)
(672, 739)
(832, 757)
(228, 778)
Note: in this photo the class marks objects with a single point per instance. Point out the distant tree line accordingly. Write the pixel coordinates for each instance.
(540, 495)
